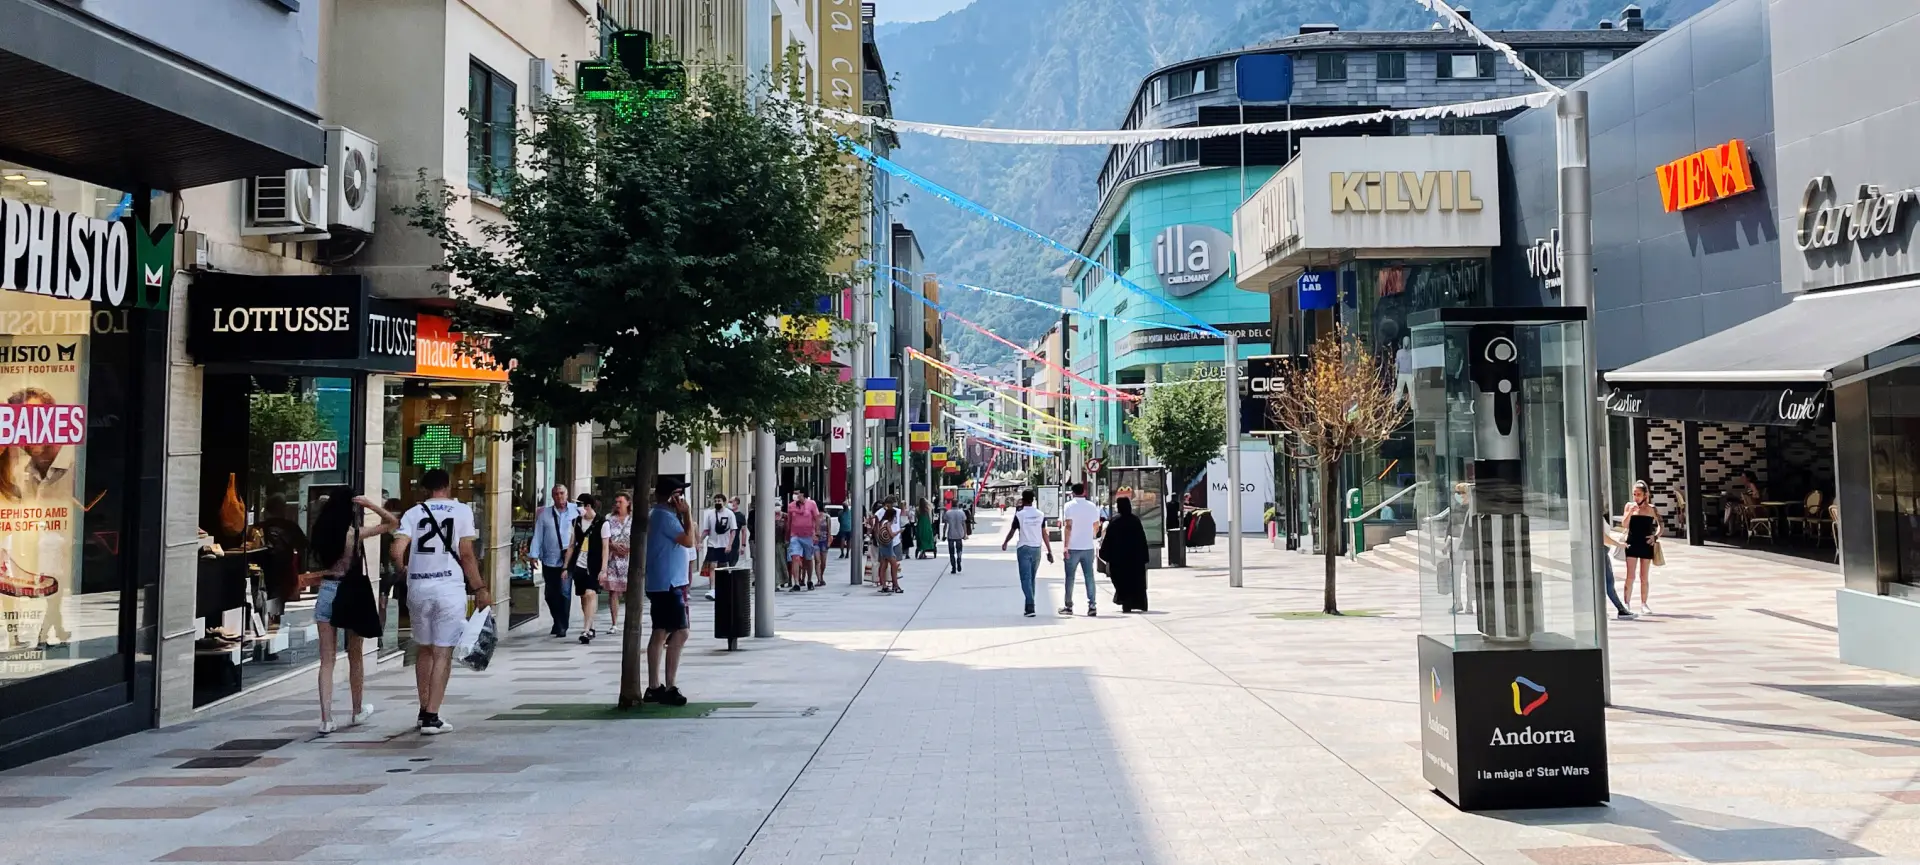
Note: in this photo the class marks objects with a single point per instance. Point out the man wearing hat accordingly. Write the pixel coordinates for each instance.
(669, 538)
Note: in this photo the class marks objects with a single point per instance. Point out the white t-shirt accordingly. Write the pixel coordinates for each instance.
(1033, 525)
(899, 521)
(1084, 515)
(436, 555)
(716, 539)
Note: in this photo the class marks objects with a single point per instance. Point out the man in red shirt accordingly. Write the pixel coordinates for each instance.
(802, 517)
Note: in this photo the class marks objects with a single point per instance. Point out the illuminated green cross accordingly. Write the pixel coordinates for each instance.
(633, 51)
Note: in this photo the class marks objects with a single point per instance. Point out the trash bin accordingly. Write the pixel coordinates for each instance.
(733, 605)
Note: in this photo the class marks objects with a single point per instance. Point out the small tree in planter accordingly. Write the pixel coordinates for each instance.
(1339, 401)
(1182, 425)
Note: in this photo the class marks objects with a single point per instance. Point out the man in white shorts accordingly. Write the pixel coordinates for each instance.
(434, 545)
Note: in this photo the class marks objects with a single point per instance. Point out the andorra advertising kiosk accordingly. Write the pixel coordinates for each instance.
(1511, 698)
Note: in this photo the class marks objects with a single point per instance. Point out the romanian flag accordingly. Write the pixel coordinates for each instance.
(919, 437)
(883, 398)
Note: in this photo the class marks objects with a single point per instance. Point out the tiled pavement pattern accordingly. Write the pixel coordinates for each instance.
(939, 726)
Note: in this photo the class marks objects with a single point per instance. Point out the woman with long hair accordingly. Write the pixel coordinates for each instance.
(583, 561)
(1124, 548)
(1643, 536)
(336, 537)
(616, 536)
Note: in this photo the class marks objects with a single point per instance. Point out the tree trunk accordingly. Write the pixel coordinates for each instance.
(633, 647)
(1333, 534)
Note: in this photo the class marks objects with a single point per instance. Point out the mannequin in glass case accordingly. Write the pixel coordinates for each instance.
(1500, 555)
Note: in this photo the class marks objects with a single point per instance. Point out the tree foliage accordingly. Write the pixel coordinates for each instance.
(1182, 424)
(1339, 401)
(646, 246)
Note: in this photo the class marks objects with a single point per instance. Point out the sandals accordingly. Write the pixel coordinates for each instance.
(586, 637)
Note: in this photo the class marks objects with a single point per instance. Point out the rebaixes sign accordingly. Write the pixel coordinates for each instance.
(78, 257)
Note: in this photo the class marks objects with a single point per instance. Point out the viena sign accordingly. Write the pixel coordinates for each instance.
(1189, 258)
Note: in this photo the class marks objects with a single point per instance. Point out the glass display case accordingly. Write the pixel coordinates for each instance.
(1511, 678)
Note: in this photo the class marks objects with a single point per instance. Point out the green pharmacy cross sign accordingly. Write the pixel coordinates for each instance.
(436, 447)
(632, 51)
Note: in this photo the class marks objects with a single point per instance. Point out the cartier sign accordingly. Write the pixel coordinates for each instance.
(321, 320)
(1872, 213)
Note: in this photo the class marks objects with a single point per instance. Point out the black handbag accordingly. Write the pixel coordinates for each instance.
(354, 607)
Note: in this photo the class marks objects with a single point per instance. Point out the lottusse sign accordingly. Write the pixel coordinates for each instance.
(321, 320)
(292, 457)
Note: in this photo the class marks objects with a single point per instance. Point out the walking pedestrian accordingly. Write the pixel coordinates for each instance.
(669, 539)
(585, 560)
(822, 541)
(888, 524)
(718, 525)
(846, 531)
(802, 515)
(336, 541)
(1643, 541)
(616, 554)
(434, 543)
(954, 523)
(1123, 546)
(1031, 527)
(925, 534)
(552, 538)
(1079, 521)
(1608, 539)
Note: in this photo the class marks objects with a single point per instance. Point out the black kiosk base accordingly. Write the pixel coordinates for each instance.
(1508, 729)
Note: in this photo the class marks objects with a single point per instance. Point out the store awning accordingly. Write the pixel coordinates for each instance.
(1775, 369)
(82, 99)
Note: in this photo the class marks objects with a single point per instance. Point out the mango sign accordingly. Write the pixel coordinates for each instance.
(1709, 175)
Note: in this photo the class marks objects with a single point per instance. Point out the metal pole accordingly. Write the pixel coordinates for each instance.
(857, 448)
(766, 559)
(1234, 576)
(1576, 271)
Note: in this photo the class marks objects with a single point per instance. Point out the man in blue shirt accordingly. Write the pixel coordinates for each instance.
(552, 536)
(669, 542)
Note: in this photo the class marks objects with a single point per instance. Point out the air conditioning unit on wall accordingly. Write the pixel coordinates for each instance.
(293, 203)
(353, 166)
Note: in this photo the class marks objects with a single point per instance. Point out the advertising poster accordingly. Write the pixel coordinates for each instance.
(43, 429)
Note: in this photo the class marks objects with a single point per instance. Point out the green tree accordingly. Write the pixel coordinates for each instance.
(1182, 425)
(657, 242)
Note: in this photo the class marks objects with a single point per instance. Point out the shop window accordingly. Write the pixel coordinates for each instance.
(1330, 66)
(1469, 126)
(490, 128)
(1560, 63)
(1465, 64)
(427, 425)
(1894, 400)
(1390, 66)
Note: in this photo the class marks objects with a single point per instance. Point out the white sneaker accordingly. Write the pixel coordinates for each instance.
(435, 727)
(710, 596)
(365, 714)
(1645, 610)
(327, 727)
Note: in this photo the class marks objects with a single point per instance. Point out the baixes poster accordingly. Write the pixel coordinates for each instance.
(43, 430)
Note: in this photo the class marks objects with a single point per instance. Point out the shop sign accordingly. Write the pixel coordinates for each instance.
(1319, 289)
(1870, 215)
(841, 436)
(1545, 259)
(78, 257)
(1402, 191)
(1173, 337)
(1776, 405)
(330, 320)
(796, 460)
(448, 355)
(1188, 258)
(1266, 379)
(1709, 175)
(293, 457)
(35, 424)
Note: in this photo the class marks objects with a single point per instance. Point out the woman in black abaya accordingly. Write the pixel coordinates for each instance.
(1124, 549)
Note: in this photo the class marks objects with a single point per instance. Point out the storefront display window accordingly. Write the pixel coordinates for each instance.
(1895, 406)
(427, 425)
(276, 447)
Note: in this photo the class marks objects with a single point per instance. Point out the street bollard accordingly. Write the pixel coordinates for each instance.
(733, 605)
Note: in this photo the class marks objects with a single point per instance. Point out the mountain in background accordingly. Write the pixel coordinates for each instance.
(1074, 64)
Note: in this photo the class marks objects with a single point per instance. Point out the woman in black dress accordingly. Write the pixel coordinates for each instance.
(1643, 532)
(1124, 549)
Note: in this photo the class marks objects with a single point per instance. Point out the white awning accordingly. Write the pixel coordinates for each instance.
(1804, 341)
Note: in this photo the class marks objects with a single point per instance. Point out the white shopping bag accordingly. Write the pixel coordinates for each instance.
(476, 642)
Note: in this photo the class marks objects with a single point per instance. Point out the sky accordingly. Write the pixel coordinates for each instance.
(914, 10)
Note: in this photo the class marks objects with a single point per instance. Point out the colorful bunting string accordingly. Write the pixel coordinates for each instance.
(1098, 387)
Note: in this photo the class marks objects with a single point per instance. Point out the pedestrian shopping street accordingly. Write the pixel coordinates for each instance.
(941, 726)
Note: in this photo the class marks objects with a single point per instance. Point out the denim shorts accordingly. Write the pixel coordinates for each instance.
(800, 547)
(323, 605)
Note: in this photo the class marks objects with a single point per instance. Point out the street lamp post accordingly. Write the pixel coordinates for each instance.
(857, 447)
(1235, 577)
(1576, 268)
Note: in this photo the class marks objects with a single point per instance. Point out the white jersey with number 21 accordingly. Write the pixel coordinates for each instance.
(434, 554)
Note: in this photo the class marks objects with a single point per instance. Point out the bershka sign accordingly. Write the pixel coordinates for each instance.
(1189, 258)
(322, 320)
(1708, 175)
(79, 257)
(293, 457)
(36, 424)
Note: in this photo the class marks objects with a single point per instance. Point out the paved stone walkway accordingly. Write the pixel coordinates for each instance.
(939, 726)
